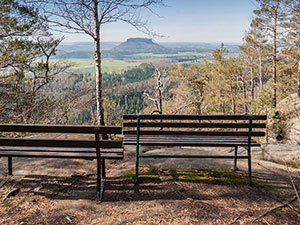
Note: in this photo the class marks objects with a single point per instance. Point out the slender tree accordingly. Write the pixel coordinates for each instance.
(255, 55)
(88, 16)
(270, 15)
(292, 38)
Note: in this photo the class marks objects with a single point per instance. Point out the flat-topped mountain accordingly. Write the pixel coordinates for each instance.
(139, 45)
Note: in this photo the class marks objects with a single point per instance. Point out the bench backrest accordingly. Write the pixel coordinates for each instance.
(95, 142)
(204, 125)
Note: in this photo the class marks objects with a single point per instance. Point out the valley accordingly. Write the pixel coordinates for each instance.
(120, 56)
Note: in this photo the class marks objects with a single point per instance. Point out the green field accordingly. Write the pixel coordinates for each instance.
(108, 65)
(84, 65)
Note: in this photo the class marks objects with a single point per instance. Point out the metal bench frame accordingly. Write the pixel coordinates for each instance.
(64, 148)
(218, 138)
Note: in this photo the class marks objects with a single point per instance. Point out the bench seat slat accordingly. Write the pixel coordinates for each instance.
(59, 150)
(203, 144)
(89, 156)
(194, 125)
(33, 128)
(193, 156)
(203, 133)
(185, 141)
(194, 117)
(47, 155)
(194, 137)
(60, 143)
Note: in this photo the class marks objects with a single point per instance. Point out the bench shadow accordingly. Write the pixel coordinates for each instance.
(274, 180)
(175, 188)
(83, 187)
(122, 188)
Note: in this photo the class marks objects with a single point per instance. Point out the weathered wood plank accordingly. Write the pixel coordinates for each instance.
(88, 156)
(32, 128)
(193, 156)
(193, 144)
(194, 125)
(203, 133)
(60, 143)
(195, 117)
(61, 150)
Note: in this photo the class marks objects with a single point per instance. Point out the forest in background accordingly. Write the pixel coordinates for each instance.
(35, 89)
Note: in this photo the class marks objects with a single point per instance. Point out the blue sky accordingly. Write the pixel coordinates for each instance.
(188, 21)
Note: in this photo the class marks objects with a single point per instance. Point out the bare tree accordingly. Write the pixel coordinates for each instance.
(88, 16)
(160, 86)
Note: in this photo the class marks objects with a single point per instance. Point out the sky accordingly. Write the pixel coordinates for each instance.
(212, 21)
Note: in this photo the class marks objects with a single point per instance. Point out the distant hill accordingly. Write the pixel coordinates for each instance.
(139, 45)
(117, 50)
(81, 50)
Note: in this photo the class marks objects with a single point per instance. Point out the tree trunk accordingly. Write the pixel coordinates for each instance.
(99, 92)
(260, 73)
(233, 101)
(275, 55)
(299, 78)
(245, 94)
(252, 78)
(159, 84)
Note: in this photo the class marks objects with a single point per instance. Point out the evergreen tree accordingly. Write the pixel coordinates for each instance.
(269, 18)
(24, 40)
(292, 38)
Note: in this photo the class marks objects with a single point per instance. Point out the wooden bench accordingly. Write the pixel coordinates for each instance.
(193, 130)
(85, 148)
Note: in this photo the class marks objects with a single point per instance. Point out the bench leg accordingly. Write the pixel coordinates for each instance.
(137, 165)
(102, 187)
(103, 169)
(137, 170)
(9, 162)
(249, 165)
(98, 187)
(235, 159)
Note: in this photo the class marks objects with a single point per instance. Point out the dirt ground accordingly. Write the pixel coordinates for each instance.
(58, 191)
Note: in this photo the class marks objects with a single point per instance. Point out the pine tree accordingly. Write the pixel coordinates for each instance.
(269, 17)
(24, 40)
(292, 38)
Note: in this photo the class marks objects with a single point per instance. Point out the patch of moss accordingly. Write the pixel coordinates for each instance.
(194, 175)
(194, 178)
(129, 175)
(173, 174)
(153, 170)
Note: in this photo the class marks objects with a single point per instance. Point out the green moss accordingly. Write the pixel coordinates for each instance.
(194, 178)
(153, 170)
(129, 175)
(193, 175)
